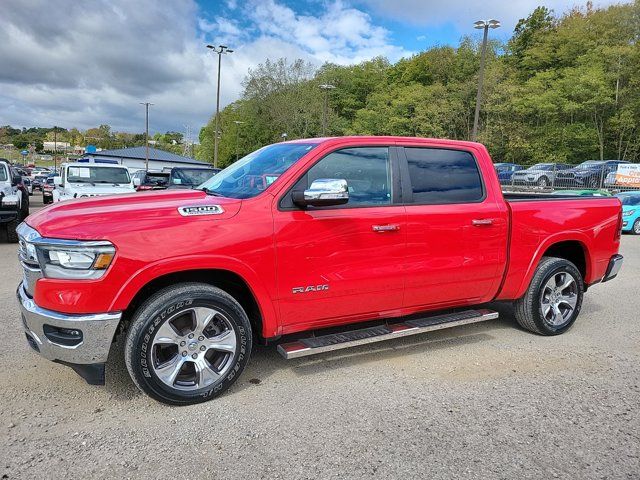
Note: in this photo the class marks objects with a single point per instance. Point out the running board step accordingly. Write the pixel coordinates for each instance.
(336, 341)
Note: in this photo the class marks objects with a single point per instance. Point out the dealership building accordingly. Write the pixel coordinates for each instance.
(134, 158)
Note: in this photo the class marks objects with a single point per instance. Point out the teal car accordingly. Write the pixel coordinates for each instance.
(630, 212)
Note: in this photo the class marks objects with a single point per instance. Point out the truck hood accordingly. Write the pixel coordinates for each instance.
(100, 218)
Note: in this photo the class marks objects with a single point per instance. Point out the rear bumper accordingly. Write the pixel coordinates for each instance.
(615, 264)
(49, 334)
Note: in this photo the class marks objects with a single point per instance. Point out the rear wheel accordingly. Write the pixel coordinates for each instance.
(554, 298)
(187, 344)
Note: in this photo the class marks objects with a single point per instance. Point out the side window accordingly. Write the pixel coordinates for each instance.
(443, 176)
(367, 171)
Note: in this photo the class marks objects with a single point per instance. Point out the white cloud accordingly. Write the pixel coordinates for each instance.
(82, 64)
(462, 13)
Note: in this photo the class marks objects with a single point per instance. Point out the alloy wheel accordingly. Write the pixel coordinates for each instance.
(559, 299)
(193, 349)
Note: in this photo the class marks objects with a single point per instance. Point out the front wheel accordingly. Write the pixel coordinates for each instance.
(554, 298)
(636, 227)
(543, 182)
(187, 344)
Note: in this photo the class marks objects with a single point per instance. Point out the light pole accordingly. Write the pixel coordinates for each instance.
(146, 143)
(220, 49)
(238, 123)
(284, 137)
(55, 147)
(326, 87)
(484, 25)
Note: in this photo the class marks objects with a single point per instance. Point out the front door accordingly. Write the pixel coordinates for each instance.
(343, 263)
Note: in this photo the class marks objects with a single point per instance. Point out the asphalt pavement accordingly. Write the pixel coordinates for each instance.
(481, 401)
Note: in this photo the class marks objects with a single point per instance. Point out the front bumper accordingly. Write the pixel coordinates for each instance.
(8, 215)
(615, 264)
(46, 334)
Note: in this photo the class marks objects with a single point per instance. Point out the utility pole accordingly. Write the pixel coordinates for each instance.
(325, 110)
(146, 155)
(238, 123)
(55, 148)
(484, 25)
(220, 49)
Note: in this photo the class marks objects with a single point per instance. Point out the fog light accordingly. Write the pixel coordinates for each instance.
(67, 337)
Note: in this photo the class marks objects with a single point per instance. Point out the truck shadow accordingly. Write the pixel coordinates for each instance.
(266, 361)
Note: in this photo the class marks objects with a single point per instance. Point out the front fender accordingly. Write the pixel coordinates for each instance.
(181, 264)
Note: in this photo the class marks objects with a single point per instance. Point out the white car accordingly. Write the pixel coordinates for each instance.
(39, 171)
(81, 180)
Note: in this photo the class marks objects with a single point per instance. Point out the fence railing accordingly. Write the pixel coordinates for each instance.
(562, 178)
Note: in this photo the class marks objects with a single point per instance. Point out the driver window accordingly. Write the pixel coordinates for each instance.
(367, 171)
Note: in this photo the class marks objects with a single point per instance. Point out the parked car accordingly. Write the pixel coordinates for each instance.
(505, 171)
(26, 181)
(81, 180)
(590, 174)
(39, 171)
(193, 277)
(14, 200)
(540, 174)
(630, 212)
(47, 190)
(584, 193)
(38, 181)
(149, 180)
(190, 177)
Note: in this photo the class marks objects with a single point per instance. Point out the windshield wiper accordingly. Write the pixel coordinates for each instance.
(210, 192)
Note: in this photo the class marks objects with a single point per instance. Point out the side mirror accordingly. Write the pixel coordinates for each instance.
(57, 181)
(323, 192)
(137, 182)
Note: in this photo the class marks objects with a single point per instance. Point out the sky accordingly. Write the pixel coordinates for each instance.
(83, 63)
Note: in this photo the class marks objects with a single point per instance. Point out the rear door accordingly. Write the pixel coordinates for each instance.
(456, 230)
(343, 263)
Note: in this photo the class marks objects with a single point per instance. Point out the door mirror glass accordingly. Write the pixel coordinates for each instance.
(323, 192)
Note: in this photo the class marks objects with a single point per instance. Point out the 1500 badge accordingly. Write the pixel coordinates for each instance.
(200, 210)
(310, 288)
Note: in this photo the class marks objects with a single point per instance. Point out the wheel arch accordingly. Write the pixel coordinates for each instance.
(571, 247)
(251, 296)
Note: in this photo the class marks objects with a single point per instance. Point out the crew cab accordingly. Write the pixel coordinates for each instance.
(80, 180)
(373, 237)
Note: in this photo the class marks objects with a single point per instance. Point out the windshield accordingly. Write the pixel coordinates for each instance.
(589, 164)
(95, 175)
(191, 176)
(542, 166)
(254, 173)
(630, 199)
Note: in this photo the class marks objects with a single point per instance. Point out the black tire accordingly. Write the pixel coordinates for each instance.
(161, 308)
(529, 310)
(635, 228)
(593, 182)
(12, 234)
(543, 182)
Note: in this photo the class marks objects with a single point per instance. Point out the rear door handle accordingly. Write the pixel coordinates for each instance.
(385, 228)
(482, 222)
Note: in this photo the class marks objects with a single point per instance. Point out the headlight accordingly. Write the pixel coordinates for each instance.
(628, 213)
(76, 262)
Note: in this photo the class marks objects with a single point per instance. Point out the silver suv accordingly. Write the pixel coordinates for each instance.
(14, 204)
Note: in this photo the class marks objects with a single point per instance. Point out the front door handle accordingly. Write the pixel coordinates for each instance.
(482, 222)
(385, 228)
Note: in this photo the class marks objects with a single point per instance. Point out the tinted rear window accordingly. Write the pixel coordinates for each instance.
(443, 176)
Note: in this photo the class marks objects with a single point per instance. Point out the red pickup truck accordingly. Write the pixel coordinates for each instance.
(375, 237)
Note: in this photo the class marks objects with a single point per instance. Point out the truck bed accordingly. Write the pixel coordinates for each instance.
(589, 223)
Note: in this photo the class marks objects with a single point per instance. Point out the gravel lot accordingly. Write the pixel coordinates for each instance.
(482, 401)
